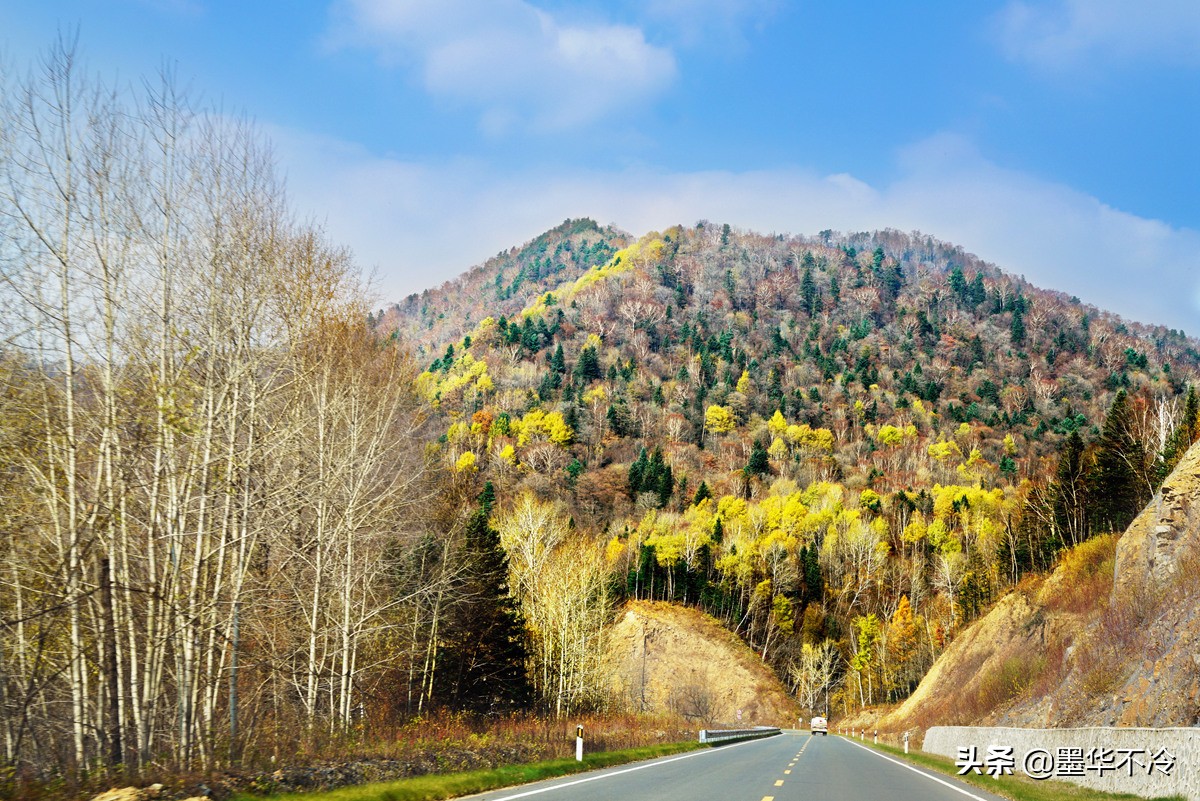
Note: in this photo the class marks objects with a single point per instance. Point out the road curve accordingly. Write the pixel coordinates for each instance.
(789, 767)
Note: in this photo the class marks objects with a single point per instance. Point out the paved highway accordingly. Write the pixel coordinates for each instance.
(788, 767)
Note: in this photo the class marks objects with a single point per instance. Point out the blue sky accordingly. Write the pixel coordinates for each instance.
(1056, 138)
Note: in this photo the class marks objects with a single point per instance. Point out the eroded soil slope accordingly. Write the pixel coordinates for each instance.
(665, 657)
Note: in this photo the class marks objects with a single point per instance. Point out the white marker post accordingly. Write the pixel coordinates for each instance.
(579, 743)
(906, 742)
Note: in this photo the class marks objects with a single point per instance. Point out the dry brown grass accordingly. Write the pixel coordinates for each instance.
(1187, 569)
(953, 709)
(1109, 654)
(549, 737)
(1083, 578)
(433, 744)
(1009, 679)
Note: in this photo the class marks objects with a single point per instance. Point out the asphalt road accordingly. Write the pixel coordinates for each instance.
(788, 767)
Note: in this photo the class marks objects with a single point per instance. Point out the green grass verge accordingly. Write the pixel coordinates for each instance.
(453, 785)
(1018, 788)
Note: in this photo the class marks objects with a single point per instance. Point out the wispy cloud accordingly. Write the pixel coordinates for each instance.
(422, 224)
(520, 66)
(1076, 34)
(692, 22)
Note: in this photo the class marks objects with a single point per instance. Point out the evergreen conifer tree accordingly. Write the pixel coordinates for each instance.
(760, 462)
(809, 294)
(637, 473)
(1017, 328)
(588, 367)
(1116, 494)
(483, 658)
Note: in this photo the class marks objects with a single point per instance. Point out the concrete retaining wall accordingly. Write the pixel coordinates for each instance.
(1106, 757)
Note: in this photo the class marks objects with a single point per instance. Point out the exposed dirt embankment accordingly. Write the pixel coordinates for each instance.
(1111, 637)
(665, 657)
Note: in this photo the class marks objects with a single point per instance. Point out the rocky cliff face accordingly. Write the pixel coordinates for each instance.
(1162, 542)
(1112, 637)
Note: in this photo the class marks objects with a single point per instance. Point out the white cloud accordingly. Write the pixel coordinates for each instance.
(423, 224)
(1072, 34)
(517, 64)
(694, 21)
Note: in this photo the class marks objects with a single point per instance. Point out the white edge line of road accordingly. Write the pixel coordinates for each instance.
(932, 778)
(610, 774)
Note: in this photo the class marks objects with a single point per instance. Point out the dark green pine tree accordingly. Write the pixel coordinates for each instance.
(760, 462)
(447, 360)
(1115, 486)
(1070, 497)
(958, 283)
(891, 281)
(483, 658)
(809, 294)
(638, 474)
(1191, 416)
(588, 367)
(621, 420)
(1017, 329)
(571, 415)
(976, 589)
(529, 335)
(558, 363)
(977, 290)
(814, 587)
(549, 385)
(775, 387)
(702, 492)
(654, 471)
(666, 485)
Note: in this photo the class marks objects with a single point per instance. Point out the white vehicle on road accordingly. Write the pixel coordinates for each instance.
(819, 726)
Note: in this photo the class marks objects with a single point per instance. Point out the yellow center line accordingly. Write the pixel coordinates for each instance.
(768, 798)
(787, 773)
(779, 783)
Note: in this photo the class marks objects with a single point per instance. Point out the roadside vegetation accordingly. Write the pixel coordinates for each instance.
(434, 788)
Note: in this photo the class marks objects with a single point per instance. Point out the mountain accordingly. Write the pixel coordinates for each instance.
(848, 441)
(503, 285)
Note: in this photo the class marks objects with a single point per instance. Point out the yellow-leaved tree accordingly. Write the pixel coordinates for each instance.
(720, 419)
(560, 579)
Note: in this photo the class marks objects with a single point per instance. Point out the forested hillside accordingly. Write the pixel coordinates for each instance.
(843, 446)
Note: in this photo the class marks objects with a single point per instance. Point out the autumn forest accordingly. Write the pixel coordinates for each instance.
(241, 505)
